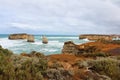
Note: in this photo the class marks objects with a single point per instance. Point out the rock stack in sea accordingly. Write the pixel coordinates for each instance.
(18, 36)
(44, 40)
(30, 38)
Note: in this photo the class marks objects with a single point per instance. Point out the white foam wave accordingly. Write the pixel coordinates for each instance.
(86, 39)
(62, 37)
(37, 43)
(48, 50)
(6, 43)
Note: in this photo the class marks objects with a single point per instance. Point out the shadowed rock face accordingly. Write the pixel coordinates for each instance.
(96, 37)
(44, 40)
(18, 36)
(70, 48)
(91, 47)
(30, 38)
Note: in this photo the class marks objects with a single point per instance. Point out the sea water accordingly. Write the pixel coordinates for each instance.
(54, 46)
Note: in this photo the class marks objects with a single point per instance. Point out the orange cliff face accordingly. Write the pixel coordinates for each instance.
(18, 36)
(91, 47)
(96, 37)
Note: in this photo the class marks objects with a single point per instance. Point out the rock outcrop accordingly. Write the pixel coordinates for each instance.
(96, 37)
(70, 48)
(44, 40)
(90, 47)
(18, 36)
(30, 38)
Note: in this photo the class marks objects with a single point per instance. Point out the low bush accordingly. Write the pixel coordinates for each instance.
(108, 66)
(100, 54)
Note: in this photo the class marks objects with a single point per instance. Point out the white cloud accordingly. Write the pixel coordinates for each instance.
(69, 16)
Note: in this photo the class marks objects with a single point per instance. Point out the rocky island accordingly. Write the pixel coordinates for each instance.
(18, 36)
(30, 38)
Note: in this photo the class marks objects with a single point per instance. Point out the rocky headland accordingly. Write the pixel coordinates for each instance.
(112, 47)
(98, 36)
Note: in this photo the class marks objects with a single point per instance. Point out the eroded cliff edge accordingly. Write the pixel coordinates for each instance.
(98, 36)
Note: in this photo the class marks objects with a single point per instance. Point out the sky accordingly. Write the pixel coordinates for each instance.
(68, 17)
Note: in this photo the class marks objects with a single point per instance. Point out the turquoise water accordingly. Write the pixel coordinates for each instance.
(54, 45)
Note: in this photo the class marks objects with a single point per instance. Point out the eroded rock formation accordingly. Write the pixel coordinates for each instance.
(18, 36)
(30, 38)
(90, 47)
(44, 40)
(96, 37)
(70, 48)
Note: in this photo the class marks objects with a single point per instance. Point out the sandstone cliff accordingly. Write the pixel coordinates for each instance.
(18, 36)
(96, 37)
(70, 48)
(30, 38)
(90, 47)
(44, 40)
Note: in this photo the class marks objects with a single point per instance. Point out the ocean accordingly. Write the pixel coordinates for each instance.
(54, 45)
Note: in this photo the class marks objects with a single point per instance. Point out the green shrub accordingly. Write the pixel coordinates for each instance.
(100, 54)
(17, 67)
(109, 67)
(5, 51)
(6, 68)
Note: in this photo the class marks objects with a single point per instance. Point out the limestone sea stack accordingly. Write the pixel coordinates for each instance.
(30, 38)
(44, 40)
(18, 36)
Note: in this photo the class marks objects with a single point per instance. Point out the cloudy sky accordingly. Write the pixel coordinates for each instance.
(60, 16)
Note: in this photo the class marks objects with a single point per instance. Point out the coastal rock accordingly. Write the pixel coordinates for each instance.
(92, 48)
(96, 37)
(30, 38)
(44, 40)
(18, 36)
(70, 48)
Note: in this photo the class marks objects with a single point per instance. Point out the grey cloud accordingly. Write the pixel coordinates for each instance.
(69, 16)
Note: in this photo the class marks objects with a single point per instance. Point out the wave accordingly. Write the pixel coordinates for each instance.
(6, 43)
(62, 37)
(85, 39)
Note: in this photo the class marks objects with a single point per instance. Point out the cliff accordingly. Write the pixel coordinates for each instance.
(30, 38)
(70, 48)
(91, 47)
(96, 37)
(18, 36)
